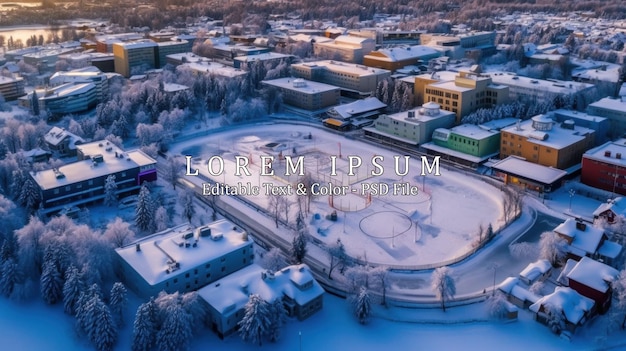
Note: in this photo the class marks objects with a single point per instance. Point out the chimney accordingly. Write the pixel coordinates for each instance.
(580, 225)
(607, 153)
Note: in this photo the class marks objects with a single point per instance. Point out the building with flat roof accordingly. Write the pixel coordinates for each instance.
(300, 293)
(305, 94)
(461, 45)
(353, 79)
(345, 48)
(517, 171)
(184, 258)
(243, 62)
(64, 99)
(531, 90)
(398, 57)
(205, 66)
(467, 92)
(412, 127)
(134, 56)
(165, 48)
(614, 110)
(11, 86)
(601, 125)
(604, 167)
(45, 60)
(104, 43)
(540, 141)
(87, 74)
(82, 182)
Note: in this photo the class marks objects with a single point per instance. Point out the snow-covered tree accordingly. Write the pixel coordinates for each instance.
(144, 215)
(34, 103)
(51, 282)
(105, 333)
(274, 204)
(176, 331)
(186, 202)
(298, 247)
(524, 250)
(338, 256)
(619, 294)
(118, 233)
(110, 191)
(118, 302)
(144, 327)
(278, 317)
(161, 219)
(443, 285)
(362, 305)
(72, 288)
(555, 318)
(256, 321)
(9, 276)
(30, 252)
(29, 195)
(273, 260)
(497, 305)
(356, 277)
(552, 247)
(380, 280)
(172, 170)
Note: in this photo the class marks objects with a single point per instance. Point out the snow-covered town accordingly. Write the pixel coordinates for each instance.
(179, 175)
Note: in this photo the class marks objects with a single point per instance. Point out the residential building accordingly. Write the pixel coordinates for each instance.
(472, 44)
(345, 48)
(587, 241)
(308, 95)
(535, 91)
(536, 271)
(604, 167)
(614, 110)
(412, 127)
(11, 87)
(87, 74)
(301, 295)
(184, 258)
(399, 57)
(612, 211)
(355, 114)
(469, 91)
(593, 280)
(62, 142)
(165, 48)
(135, 56)
(82, 182)
(468, 143)
(539, 141)
(528, 175)
(516, 293)
(576, 309)
(353, 79)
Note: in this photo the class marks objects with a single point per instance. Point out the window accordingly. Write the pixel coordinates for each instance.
(223, 269)
(56, 191)
(208, 265)
(222, 259)
(175, 280)
(187, 275)
(68, 188)
(208, 275)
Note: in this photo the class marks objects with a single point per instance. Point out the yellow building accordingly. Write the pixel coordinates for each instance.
(539, 141)
(468, 92)
(136, 55)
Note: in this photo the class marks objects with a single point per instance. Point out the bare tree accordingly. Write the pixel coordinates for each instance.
(171, 170)
(274, 206)
(443, 285)
(338, 257)
(380, 279)
(273, 260)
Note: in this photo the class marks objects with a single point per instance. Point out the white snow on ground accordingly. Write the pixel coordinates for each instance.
(438, 224)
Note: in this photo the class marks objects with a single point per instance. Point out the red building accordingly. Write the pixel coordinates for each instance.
(593, 279)
(604, 167)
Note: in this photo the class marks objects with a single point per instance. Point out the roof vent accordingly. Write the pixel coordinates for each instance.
(618, 156)
(607, 153)
(581, 226)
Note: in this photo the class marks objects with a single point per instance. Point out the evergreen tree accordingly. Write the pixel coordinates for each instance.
(144, 328)
(176, 331)
(72, 289)
(362, 306)
(51, 282)
(9, 276)
(144, 216)
(298, 247)
(29, 195)
(106, 329)
(34, 102)
(84, 307)
(118, 302)
(278, 317)
(8, 248)
(256, 320)
(110, 191)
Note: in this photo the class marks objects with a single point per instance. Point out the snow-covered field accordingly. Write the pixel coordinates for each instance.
(438, 224)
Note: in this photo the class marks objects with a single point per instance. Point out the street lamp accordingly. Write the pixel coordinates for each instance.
(300, 335)
(572, 192)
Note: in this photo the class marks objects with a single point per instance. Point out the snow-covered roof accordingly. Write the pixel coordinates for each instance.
(357, 107)
(56, 135)
(609, 249)
(352, 40)
(535, 269)
(593, 274)
(403, 53)
(617, 205)
(157, 250)
(300, 85)
(215, 68)
(578, 115)
(569, 264)
(573, 305)
(556, 137)
(584, 236)
(498, 124)
(473, 131)
(451, 85)
(173, 87)
(67, 89)
(548, 86)
(609, 104)
(262, 57)
(510, 286)
(529, 170)
(612, 153)
(138, 44)
(344, 67)
(114, 160)
(231, 293)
